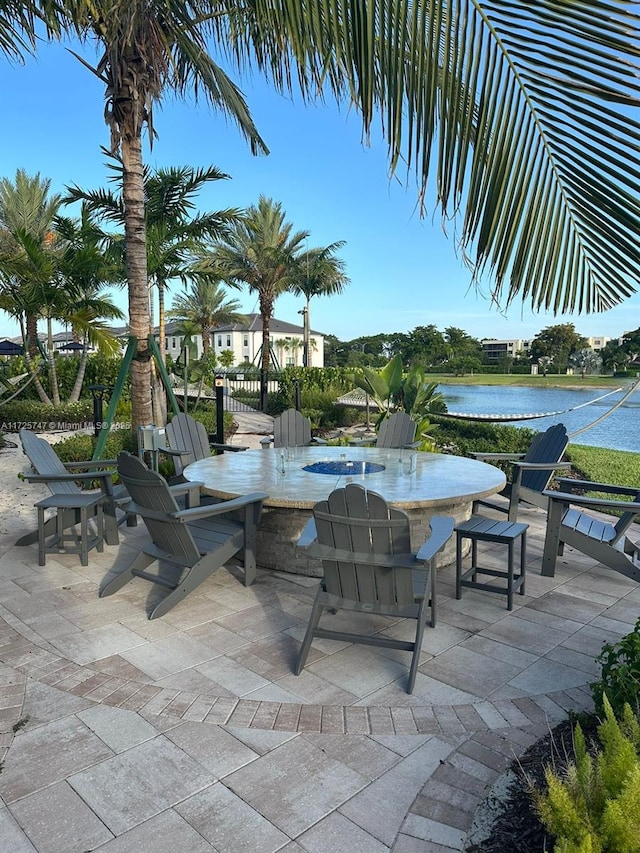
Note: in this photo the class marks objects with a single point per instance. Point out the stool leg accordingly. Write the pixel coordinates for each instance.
(41, 537)
(510, 576)
(84, 551)
(523, 561)
(59, 543)
(474, 558)
(100, 527)
(458, 565)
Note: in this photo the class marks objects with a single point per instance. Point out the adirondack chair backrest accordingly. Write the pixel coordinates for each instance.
(397, 430)
(46, 462)
(547, 446)
(152, 497)
(185, 433)
(291, 429)
(360, 521)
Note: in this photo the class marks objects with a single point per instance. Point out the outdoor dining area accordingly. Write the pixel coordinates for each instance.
(320, 647)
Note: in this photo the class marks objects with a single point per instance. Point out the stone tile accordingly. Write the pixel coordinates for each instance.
(430, 830)
(167, 656)
(358, 670)
(525, 635)
(43, 704)
(230, 675)
(193, 681)
(590, 639)
(58, 821)
(273, 693)
(219, 640)
(13, 838)
(359, 752)
(381, 808)
(311, 688)
(498, 651)
(273, 657)
(315, 785)
(255, 623)
(166, 833)
(568, 606)
(547, 676)
(401, 744)
(48, 754)
(228, 823)
(259, 740)
(427, 690)
(118, 728)
(467, 670)
(340, 835)
(140, 783)
(211, 746)
(576, 660)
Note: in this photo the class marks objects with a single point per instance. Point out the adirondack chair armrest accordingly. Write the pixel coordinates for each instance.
(441, 531)
(221, 508)
(497, 457)
(392, 561)
(173, 451)
(567, 484)
(105, 476)
(593, 503)
(317, 440)
(214, 445)
(182, 488)
(519, 468)
(362, 442)
(89, 463)
(413, 445)
(266, 441)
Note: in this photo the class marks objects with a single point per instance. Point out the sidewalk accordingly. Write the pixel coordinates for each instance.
(190, 733)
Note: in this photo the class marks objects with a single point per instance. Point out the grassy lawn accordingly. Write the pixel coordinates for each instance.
(528, 380)
(606, 466)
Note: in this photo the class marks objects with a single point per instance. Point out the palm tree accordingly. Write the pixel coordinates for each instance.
(87, 269)
(319, 273)
(147, 49)
(175, 232)
(26, 206)
(261, 252)
(519, 110)
(205, 305)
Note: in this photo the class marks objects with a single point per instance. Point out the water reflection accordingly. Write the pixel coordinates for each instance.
(618, 431)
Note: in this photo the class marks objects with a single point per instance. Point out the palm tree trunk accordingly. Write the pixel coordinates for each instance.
(162, 334)
(32, 335)
(82, 367)
(136, 254)
(307, 334)
(31, 368)
(51, 364)
(266, 309)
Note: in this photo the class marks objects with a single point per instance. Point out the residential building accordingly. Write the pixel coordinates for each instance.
(245, 342)
(496, 349)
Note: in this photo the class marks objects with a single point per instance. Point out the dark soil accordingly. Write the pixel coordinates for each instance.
(517, 828)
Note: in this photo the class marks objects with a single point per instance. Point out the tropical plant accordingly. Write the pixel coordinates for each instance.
(204, 303)
(262, 251)
(586, 361)
(524, 106)
(318, 273)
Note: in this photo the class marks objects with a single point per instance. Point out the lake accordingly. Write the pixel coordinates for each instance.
(619, 431)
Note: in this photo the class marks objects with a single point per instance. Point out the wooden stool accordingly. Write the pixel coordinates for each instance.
(88, 505)
(481, 529)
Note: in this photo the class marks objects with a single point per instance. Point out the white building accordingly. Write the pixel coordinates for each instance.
(245, 342)
(496, 349)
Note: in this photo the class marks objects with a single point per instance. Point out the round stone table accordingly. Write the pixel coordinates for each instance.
(421, 484)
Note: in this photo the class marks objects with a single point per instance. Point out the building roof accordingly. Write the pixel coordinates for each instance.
(253, 324)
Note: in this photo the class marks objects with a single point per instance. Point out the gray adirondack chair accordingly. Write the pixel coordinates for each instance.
(189, 441)
(291, 429)
(396, 431)
(63, 478)
(532, 471)
(188, 544)
(603, 538)
(369, 567)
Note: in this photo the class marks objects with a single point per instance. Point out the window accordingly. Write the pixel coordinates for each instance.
(245, 341)
(291, 362)
(228, 340)
(219, 340)
(166, 343)
(173, 343)
(246, 358)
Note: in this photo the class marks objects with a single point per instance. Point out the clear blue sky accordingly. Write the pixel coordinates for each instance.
(404, 271)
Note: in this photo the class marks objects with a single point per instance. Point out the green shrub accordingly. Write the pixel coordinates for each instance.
(80, 446)
(620, 680)
(594, 805)
(37, 416)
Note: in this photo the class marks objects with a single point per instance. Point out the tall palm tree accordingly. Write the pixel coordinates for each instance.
(261, 252)
(148, 48)
(87, 268)
(205, 304)
(27, 206)
(319, 273)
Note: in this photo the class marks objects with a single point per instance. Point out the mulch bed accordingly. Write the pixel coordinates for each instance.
(517, 828)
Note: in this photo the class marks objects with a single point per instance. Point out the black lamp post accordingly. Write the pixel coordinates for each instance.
(97, 392)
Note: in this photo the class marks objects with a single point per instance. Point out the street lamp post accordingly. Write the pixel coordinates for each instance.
(97, 393)
(305, 336)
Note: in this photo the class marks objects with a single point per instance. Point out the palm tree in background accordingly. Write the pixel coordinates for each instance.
(319, 273)
(205, 305)
(261, 251)
(520, 113)
(27, 207)
(176, 232)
